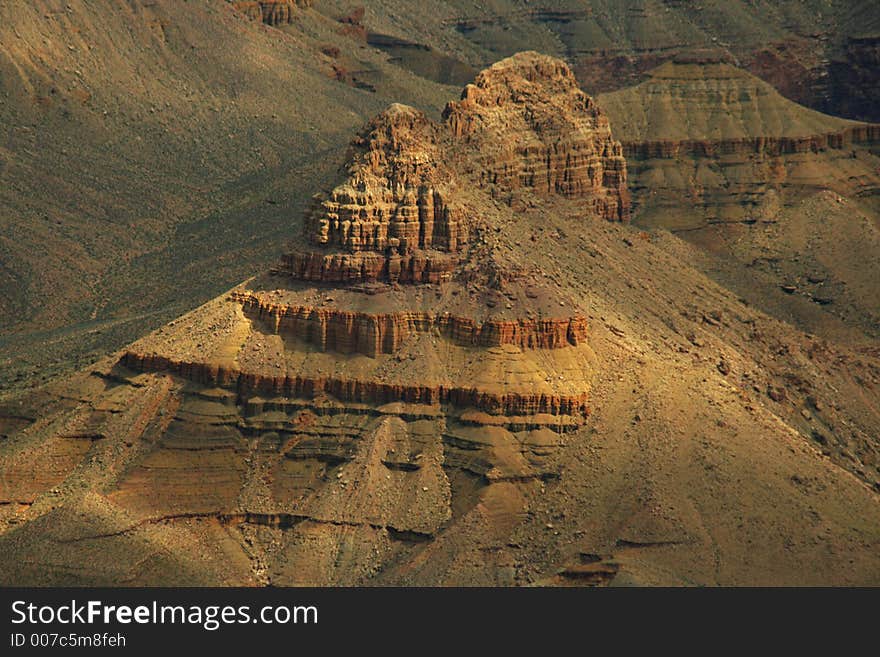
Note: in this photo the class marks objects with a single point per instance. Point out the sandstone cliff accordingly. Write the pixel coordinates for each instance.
(532, 127)
(370, 334)
(271, 12)
(405, 337)
(396, 193)
(406, 208)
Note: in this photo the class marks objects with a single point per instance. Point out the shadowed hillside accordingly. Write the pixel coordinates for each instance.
(821, 54)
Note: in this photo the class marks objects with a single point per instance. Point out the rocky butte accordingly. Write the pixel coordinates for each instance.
(395, 260)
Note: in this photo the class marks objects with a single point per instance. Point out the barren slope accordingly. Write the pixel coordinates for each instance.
(134, 139)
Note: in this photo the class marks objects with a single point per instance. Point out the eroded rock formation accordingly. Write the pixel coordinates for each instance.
(404, 211)
(331, 329)
(271, 12)
(409, 216)
(532, 127)
(396, 190)
(398, 346)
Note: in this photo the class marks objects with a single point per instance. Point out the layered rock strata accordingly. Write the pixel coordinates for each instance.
(764, 145)
(331, 329)
(353, 390)
(368, 267)
(396, 295)
(550, 142)
(709, 143)
(672, 113)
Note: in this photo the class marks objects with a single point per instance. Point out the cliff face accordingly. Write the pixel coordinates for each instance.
(838, 79)
(396, 193)
(399, 309)
(368, 267)
(271, 12)
(534, 128)
(331, 329)
(248, 384)
(704, 137)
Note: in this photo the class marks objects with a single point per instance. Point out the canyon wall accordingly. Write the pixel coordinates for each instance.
(331, 329)
(352, 390)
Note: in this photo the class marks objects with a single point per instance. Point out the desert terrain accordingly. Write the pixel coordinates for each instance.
(312, 293)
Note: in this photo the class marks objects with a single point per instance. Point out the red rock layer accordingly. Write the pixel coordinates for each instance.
(352, 332)
(352, 390)
(271, 12)
(353, 268)
(666, 149)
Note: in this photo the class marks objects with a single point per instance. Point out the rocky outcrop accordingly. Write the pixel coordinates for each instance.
(396, 194)
(332, 329)
(374, 218)
(353, 390)
(532, 127)
(405, 205)
(393, 218)
(422, 202)
(271, 12)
